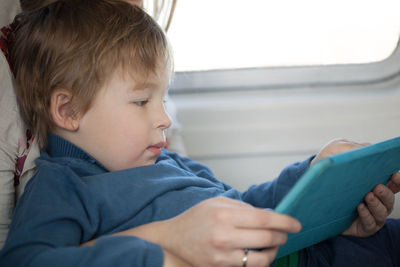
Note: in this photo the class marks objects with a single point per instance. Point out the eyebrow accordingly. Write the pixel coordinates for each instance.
(145, 85)
(148, 85)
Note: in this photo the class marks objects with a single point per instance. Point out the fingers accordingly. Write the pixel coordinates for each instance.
(256, 238)
(260, 258)
(348, 145)
(385, 196)
(238, 257)
(337, 146)
(394, 183)
(343, 145)
(243, 215)
(379, 204)
(373, 213)
(250, 227)
(229, 226)
(367, 220)
(252, 258)
(377, 209)
(265, 219)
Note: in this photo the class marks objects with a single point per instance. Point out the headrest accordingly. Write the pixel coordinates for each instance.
(8, 10)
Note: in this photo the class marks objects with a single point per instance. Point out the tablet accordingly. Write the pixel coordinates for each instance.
(326, 197)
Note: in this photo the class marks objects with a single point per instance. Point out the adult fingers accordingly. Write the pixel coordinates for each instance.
(252, 257)
(264, 219)
(261, 258)
(243, 215)
(252, 238)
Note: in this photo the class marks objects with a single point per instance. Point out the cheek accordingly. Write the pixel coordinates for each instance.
(117, 118)
(134, 128)
(120, 123)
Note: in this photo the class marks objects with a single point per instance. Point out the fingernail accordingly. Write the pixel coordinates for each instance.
(380, 190)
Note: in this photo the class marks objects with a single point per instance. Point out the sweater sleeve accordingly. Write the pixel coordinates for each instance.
(269, 194)
(194, 167)
(54, 216)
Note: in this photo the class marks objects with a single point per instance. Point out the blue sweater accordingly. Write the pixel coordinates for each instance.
(73, 199)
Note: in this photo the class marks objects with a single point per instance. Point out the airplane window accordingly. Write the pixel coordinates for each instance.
(226, 34)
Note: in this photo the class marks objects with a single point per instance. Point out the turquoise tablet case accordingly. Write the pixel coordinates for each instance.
(326, 197)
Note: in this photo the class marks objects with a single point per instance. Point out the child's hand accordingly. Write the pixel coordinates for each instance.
(337, 146)
(379, 202)
(216, 231)
(372, 217)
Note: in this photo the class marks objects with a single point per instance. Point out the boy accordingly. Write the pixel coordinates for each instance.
(91, 78)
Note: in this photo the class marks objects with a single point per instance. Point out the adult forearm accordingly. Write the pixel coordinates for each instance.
(154, 232)
(107, 251)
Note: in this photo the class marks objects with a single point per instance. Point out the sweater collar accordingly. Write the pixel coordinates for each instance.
(59, 147)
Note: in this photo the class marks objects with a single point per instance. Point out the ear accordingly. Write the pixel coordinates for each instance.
(62, 112)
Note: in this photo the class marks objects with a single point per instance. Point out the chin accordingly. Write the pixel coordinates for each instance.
(146, 163)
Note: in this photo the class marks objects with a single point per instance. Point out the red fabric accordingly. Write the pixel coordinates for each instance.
(4, 41)
(23, 147)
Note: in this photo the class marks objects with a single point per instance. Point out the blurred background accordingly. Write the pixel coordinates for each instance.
(262, 84)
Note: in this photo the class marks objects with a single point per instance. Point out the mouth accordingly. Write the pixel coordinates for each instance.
(157, 148)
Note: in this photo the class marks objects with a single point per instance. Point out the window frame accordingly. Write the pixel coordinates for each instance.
(265, 78)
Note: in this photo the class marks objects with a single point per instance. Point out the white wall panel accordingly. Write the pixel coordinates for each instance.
(247, 137)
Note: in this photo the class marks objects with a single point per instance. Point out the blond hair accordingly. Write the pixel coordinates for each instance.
(76, 45)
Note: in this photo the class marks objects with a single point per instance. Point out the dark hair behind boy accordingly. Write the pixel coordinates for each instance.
(76, 45)
(32, 5)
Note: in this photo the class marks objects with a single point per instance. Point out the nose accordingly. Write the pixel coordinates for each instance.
(163, 120)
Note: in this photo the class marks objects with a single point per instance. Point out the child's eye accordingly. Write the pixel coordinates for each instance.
(141, 103)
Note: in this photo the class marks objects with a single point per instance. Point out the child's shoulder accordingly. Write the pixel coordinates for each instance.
(61, 172)
(51, 170)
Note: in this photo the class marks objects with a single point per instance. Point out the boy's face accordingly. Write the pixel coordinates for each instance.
(124, 127)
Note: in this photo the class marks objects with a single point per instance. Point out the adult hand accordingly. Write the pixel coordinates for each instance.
(216, 232)
(171, 260)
